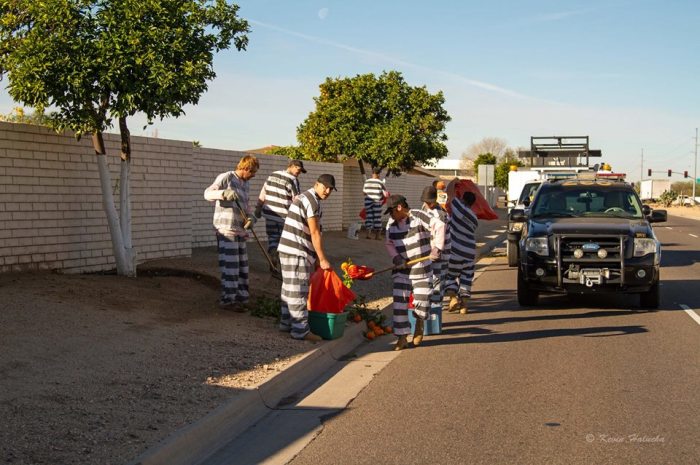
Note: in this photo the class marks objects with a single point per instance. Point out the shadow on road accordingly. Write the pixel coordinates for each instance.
(548, 317)
(601, 331)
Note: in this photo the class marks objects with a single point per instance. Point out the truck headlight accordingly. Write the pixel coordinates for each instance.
(644, 246)
(539, 245)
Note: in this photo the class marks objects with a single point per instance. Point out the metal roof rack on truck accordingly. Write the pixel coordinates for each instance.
(562, 151)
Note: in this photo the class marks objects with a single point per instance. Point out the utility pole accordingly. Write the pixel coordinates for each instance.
(695, 170)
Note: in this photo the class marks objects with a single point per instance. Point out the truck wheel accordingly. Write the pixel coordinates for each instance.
(651, 298)
(526, 296)
(512, 253)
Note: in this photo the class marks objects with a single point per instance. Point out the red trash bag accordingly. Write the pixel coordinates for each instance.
(363, 214)
(327, 293)
(457, 188)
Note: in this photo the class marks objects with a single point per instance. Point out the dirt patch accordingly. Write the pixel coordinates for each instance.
(111, 365)
(94, 369)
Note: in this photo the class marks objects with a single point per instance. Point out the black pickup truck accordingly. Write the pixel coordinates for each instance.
(583, 236)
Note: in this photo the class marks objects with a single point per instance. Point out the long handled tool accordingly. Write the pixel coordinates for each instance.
(390, 268)
(276, 273)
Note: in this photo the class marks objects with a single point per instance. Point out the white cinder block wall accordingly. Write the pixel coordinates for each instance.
(51, 214)
(51, 203)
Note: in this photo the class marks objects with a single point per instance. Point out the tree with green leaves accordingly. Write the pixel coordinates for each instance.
(379, 120)
(18, 115)
(509, 158)
(483, 159)
(98, 61)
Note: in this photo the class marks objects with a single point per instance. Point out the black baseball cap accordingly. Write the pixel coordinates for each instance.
(298, 163)
(394, 201)
(327, 180)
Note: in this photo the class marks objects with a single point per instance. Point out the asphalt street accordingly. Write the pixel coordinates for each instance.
(575, 380)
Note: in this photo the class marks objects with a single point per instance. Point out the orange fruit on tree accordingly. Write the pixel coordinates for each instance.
(387, 329)
(371, 324)
(357, 318)
(378, 331)
(370, 335)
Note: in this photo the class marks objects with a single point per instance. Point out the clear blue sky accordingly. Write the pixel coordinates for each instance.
(625, 73)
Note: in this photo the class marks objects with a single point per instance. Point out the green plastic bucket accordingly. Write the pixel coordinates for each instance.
(328, 325)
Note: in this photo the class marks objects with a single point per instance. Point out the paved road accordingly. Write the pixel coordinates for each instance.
(576, 381)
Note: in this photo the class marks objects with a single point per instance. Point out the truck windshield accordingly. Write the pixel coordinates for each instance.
(592, 200)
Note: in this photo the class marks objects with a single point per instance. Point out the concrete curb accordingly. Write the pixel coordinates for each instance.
(194, 443)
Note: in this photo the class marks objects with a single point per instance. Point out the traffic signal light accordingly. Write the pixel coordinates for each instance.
(669, 173)
(685, 174)
(649, 172)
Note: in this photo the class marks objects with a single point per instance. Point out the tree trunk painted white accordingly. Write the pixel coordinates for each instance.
(125, 213)
(124, 267)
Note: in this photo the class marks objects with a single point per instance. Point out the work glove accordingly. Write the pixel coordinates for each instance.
(229, 195)
(435, 254)
(399, 262)
(250, 223)
(258, 210)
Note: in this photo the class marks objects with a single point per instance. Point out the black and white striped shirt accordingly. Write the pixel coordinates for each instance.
(411, 239)
(227, 215)
(278, 192)
(296, 235)
(374, 189)
(463, 224)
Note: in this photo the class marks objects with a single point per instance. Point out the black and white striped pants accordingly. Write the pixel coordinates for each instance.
(402, 287)
(296, 275)
(233, 263)
(373, 221)
(273, 229)
(460, 273)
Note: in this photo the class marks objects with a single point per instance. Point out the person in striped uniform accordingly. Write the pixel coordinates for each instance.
(276, 195)
(460, 268)
(374, 191)
(408, 238)
(232, 220)
(438, 219)
(300, 250)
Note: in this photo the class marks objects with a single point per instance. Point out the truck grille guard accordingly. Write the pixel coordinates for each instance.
(565, 244)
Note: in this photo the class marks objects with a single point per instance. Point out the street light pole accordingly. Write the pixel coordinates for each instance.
(695, 170)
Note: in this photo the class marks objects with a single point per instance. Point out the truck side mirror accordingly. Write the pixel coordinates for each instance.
(518, 215)
(658, 216)
(646, 210)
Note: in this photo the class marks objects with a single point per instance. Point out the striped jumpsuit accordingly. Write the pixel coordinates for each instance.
(231, 238)
(410, 238)
(374, 195)
(460, 268)
(438, 219)
(277, 193)
(298, 258)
